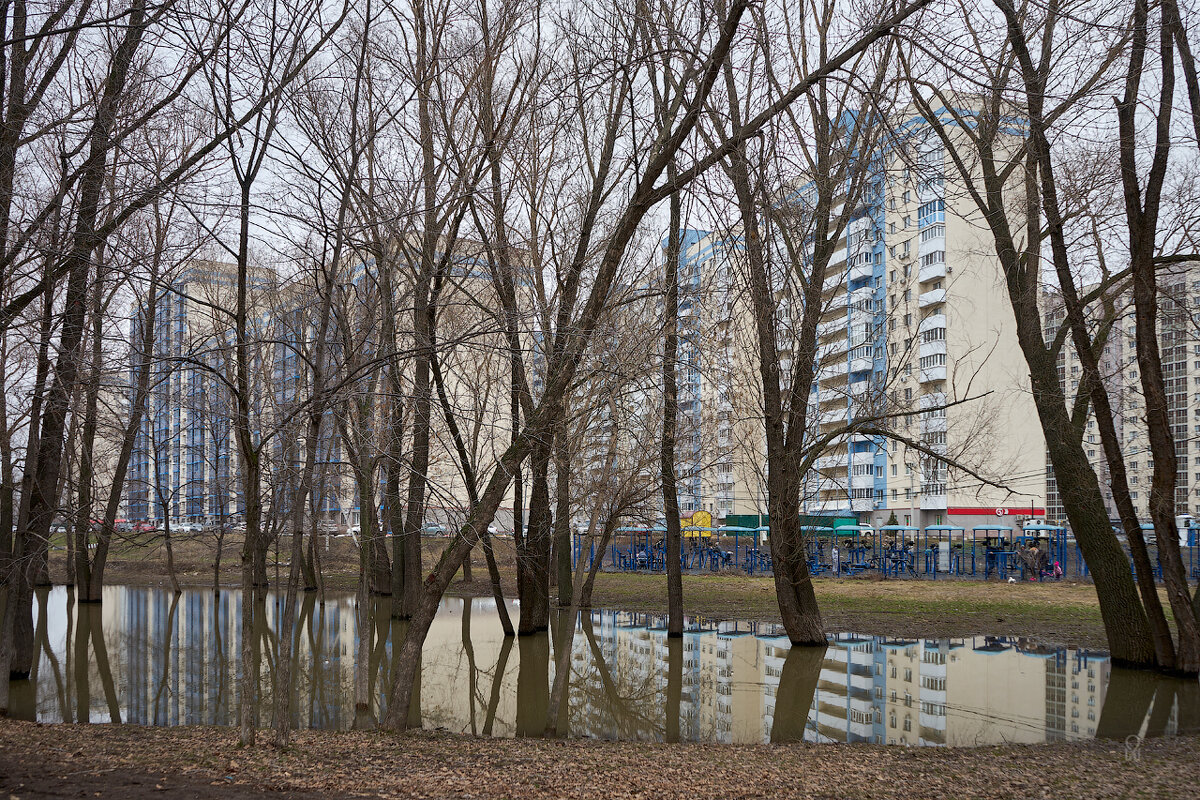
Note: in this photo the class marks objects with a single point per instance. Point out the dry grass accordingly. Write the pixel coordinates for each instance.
(1061, 612)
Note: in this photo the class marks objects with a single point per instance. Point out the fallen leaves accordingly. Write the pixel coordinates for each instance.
(203, 762)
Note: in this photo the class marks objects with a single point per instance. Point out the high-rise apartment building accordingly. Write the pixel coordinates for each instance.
(1179, 346)
(916, 326)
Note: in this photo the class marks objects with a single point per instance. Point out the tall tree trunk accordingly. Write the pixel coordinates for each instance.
(1142, 220)
(1085, 346)
(670, 492)
(562, 519)
(535, 609)
(44, 499)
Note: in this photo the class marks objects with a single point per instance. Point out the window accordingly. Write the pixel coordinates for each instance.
(908, 197)
(892, 228)
(935, 360)
(907, 221)
(931, 212)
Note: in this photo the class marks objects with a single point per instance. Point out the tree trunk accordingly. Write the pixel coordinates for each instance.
(44, 499)
(535, 609)
(670, 408)
(562, 519)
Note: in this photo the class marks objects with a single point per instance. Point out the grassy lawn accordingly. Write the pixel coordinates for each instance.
(1060, 612)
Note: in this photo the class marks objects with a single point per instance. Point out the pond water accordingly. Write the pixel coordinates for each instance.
(147, 657)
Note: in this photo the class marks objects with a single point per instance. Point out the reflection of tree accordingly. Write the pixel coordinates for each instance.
(469, 650)
(157, 717)
(597, 691)
(89, 628)
(794, 696)
(1126, 703)
(674, 686)
(42, 645)
(533, 683)
(497, 682)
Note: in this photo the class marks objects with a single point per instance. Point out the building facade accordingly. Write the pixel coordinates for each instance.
(915, 333)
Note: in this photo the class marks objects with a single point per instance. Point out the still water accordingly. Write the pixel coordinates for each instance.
(148, 657)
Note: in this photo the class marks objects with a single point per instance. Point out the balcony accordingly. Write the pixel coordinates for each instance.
(835, 415)
(932, 375)
(931, 298)
(860, 504)
(832, 326)
(931, 273)
(832, 371)
(862, 481)
(862, 458)
(936, 347)
(836, 347)
(859, 388)
(930, 400)
(859, 295)
(931, 322)
(860, 271)
(933, 496)
(931, 423)
(832, 485)
(834, 461)
(861, 364)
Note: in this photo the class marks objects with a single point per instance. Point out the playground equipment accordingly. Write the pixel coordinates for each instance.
(701, 550)
(643, 549)
(856, 545)
(814, 549)
(940, 553)
(999, 550)
(894, 550)
(739, 533)
(756, 558)
(1055, 538)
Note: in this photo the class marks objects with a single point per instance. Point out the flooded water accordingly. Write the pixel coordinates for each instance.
(147, 657)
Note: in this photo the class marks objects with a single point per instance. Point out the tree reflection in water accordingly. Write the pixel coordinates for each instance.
(149, 657)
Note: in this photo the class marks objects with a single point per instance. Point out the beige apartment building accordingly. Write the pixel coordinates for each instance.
(1179, 347)
(916, 324)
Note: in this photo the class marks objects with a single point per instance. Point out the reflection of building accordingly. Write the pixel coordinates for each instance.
(175, 663)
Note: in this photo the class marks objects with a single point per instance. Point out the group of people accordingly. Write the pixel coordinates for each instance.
(1037, 562)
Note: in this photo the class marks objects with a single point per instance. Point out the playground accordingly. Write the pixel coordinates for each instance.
(1034, 552)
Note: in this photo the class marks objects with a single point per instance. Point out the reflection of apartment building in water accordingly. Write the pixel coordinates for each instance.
(1179, 347)
(173, 663)
(949, 692)
(914, 323)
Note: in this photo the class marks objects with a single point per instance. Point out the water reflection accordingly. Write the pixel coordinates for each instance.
(149, 657)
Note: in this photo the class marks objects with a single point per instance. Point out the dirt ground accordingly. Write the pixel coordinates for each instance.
(133, 762)
(1064, 613)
